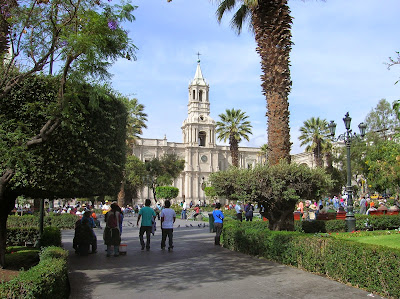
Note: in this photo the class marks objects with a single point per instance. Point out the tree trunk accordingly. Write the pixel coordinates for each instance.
(7, 203)
(234, 148)
(272, 24)
(121, 195)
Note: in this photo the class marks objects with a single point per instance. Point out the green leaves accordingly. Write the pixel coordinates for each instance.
(84, 157)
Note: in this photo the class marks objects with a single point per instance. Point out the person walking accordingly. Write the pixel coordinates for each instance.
(168, 218)
(147, 215)
(112, 232)
(218, 222)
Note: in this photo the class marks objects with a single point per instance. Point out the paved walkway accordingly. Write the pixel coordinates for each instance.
(195, 269)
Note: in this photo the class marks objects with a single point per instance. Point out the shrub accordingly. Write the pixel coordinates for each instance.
(62, 221)
(20, 236)
(21, 257)
(51, 237)
(23, 235)
(363, 222)
(371, 267)
(47, 280)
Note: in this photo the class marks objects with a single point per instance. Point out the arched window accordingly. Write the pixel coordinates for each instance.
(200, 95)
(194, 95)
(202, 138)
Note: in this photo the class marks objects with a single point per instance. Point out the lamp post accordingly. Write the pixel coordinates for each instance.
(347, 137)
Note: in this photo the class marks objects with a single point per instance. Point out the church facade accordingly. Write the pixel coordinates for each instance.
(199, 149)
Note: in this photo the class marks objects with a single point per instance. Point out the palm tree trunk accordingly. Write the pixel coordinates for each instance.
(234, 149)
(272, 23)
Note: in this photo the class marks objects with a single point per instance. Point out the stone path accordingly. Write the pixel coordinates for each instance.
(195, 269)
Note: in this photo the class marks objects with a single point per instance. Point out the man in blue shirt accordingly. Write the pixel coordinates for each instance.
(148, 215)
(218, 222)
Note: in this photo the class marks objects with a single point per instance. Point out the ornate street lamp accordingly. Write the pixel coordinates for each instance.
(347, 137)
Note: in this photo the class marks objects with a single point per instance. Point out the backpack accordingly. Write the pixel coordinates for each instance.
(112, 220)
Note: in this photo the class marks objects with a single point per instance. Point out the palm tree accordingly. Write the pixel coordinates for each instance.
(263, 153)
(135, 124)
(314, 134)
(233, 127)
(270, 21)
(136, 121)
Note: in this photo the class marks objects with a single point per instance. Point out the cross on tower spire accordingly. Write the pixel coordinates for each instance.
(198, 57)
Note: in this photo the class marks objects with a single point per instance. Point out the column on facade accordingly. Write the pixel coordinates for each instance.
(188, 186)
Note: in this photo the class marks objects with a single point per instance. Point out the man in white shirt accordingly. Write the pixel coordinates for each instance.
(184, 207)
(168, 218)
(239, 211)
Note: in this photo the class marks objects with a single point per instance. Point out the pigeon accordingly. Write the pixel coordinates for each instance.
(179, 225)
(187, 225)
(191, 225)
(199, 225)
(204, 225)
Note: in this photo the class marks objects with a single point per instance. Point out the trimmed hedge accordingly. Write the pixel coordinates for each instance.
(62, 221)
(373, 268)
(47, 280)
(19, 236)
(363, 222)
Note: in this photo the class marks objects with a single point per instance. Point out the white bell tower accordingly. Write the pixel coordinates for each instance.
(198, 129)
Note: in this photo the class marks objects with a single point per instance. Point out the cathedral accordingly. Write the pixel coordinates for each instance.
(199, 149)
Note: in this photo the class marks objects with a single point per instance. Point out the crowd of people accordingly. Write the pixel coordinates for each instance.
(85, 237)
(310, 210)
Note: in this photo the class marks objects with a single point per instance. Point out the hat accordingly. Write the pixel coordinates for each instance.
(313, 207)
(83, 205)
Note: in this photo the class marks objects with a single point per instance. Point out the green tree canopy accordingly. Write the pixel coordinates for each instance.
(167, 192)
(233, 126)
(381, 121)
(85, 156)
(382, 161)
(161, 172)
(277, 188)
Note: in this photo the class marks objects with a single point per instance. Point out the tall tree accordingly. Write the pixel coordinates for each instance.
(83, 35)
(233, 126)
(271, 22)
(263, 153)
(314, 134)
(134, 127)
(382, 121)
(85, 156)
(382, 161)
(161, 172)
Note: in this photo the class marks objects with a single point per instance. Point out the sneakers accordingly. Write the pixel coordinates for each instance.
(162, 248)
(142, 247)
(170, 248)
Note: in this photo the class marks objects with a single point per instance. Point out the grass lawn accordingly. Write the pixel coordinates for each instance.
(389, 240)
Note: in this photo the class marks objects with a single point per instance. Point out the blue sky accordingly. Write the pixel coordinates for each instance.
(337, 63)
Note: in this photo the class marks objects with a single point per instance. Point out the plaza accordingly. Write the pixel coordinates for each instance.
(195, 269)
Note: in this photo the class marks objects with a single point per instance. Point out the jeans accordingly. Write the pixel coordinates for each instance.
(183, 215)
(218, 229)
(142, 230)
(116, 249)
(167, 232)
